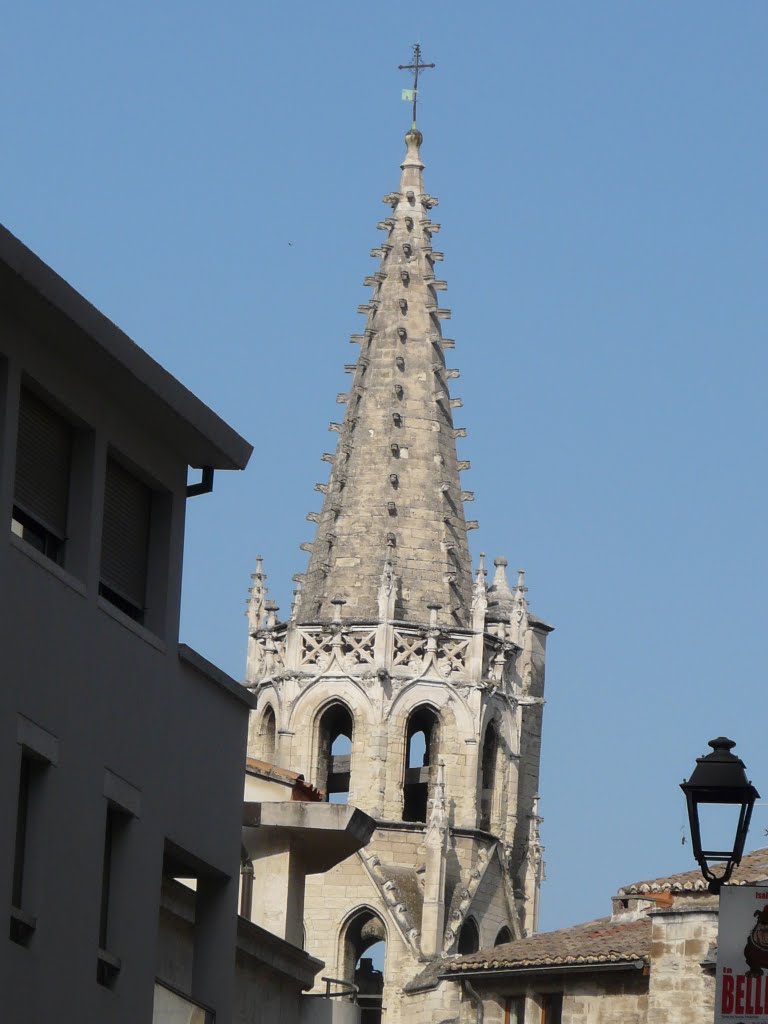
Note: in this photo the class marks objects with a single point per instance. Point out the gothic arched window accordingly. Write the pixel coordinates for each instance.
(488, 776)
(268, 734)
(505, 935)
(362, 962)
(335, 753)
(421, 748)
(469, 938)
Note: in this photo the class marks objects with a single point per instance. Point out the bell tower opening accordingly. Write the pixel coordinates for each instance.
(335, 753)
(421, 751)
(363, 954)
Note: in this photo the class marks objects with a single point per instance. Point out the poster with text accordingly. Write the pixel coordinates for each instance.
(742, 955)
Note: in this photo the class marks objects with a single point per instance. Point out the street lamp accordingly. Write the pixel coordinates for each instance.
(719, 778)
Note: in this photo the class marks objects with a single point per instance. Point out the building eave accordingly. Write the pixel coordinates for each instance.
(103, 350)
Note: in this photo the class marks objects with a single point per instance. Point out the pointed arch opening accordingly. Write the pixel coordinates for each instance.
(363, 956)
(469, 937)
(504, 936)
(422, 740)
(488, 768)
(268, 735)
(334, 746)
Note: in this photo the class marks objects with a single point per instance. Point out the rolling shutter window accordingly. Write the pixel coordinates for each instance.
(43, 455)
(125, 534)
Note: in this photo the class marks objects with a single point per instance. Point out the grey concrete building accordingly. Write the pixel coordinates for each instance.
(121, 752)
(400, 680)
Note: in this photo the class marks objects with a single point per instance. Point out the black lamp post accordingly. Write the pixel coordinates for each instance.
(719, 778)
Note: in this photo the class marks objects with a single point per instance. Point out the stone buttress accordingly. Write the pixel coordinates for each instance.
(399, 682)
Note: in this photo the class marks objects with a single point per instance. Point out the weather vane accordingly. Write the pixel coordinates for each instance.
(411, 95)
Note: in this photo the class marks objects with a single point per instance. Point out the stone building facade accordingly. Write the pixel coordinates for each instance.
(651, 962)
(401, 681)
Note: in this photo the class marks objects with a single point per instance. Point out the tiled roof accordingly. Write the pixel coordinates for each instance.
(301, 790)
(753, 868)
(596, 943)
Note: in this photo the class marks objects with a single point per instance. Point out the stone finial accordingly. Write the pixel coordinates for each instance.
(271, 609)
(519, 612)
(338, 603)
(479, 598)
(500, 596)
(257, 593)
(296, 600)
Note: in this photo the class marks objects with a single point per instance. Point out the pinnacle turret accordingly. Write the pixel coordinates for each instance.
(394, 491)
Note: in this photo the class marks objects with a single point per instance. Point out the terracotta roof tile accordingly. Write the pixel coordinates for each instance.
(595, 943)
(753, 868)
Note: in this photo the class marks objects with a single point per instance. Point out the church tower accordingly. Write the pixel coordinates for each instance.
(401, 681)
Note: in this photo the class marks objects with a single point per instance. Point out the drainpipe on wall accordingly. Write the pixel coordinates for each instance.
(205, 486)
(472, 993)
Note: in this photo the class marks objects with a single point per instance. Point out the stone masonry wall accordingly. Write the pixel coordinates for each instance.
(681, 990)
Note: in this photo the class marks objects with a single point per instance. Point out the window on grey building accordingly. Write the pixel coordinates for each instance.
(41, 486)
(421, 745)
(116, 823)
(125, 540)
(31, 772)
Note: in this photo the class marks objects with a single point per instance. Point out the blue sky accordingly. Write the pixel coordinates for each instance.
(209, 176)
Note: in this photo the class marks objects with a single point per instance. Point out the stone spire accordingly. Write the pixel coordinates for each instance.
(394, 492)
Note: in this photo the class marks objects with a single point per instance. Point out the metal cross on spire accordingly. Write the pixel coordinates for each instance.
(415, 67)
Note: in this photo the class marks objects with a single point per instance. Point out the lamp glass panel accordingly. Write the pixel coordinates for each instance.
(718, 824)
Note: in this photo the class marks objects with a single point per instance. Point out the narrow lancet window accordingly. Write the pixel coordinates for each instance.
(488, 777)
(268, 735)
(421, 742)
(469, 938)
(363, 959)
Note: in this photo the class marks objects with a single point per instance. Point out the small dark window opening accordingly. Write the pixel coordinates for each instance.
(108, 966)
(505, 935)
(41, 486)
(335, 754)
(30, 775)
(488, 776)
(125, 541)
(421, 743)
(469, 938)
(22, 817)
(552, 1008)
